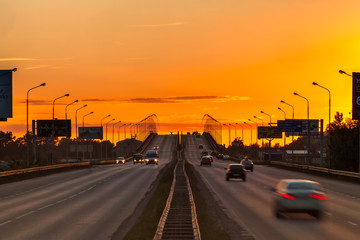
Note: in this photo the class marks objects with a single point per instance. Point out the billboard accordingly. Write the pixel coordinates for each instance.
(298, 127)
(91, 132)
(6, 97)
(356, 96)
(61, 127)
(269, 132)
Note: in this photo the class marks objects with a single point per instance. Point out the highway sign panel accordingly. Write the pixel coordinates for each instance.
(61, 127)
(269, 132)
(91, 132)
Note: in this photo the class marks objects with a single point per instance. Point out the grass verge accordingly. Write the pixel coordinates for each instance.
(146, 225)
(208, 219)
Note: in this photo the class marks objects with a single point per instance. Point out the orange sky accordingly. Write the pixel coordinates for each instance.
(179, 59)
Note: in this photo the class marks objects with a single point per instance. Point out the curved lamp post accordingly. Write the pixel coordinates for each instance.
(262, 124)
(308, 128)
(242, 131)
(229, 133)
(250, 132)
(256, 128)
(113, 131)
(76, 119)
(267, 115)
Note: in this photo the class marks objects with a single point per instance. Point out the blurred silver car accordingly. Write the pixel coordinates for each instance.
(299, 195)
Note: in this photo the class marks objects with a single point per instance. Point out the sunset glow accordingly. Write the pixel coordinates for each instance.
(179, 59)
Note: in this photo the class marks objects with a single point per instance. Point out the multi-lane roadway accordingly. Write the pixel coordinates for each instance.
(81, 204)
(250, 203)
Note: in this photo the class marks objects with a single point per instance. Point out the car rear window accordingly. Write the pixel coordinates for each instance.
(303, 186)
(236, 167)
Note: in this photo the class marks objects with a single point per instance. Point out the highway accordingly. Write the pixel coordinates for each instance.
(80, 204)
(250, 203)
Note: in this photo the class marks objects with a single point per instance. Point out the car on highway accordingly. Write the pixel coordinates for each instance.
(226, 157)
(205, 160)
(248, 164)
(204, 152)
(156, 147)
(138, 158)
(201, 146)
(299, 195)
(220, 156)
(120, 160)
(235, 171)
(152, 157)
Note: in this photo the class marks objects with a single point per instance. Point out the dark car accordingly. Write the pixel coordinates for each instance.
(235, 171)
(248, 164)
(152, 157)
(201, 146)
(204, 152)
(213, 153)
(138, 158)
(220, 156)
(205, 160)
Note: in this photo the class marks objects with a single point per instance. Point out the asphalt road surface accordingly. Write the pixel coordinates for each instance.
(250, 203)
(81, 204)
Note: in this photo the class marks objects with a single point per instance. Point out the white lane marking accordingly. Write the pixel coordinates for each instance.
(49, 205)
(4, 223)
(63, 200)
(24, 215)
(72, 196)
(352, 223)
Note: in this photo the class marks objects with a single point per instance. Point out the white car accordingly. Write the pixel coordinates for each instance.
(120, 160)
(299, 195)
(226, 157)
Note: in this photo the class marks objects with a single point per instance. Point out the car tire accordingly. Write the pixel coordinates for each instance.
(316, 214)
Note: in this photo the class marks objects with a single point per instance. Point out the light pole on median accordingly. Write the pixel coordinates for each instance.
(235, 129)
(102, 134)
(106, 136)
(119, 131)
(267, 115)
(308, 127)
(250, 133)
(129, 124)
(316, 84)
(27, 121)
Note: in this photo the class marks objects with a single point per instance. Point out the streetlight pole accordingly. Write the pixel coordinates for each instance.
(242, 131)
(102, 135)
(354, 113)
(76, 140)
(292, 134)
(229, 134)
(113, 131)
(119, 131)
(27, 122)
(284, 119)
(262, 124)
(53, 125)
(76, 119)
(250, 132)
(256, 128)
(66, 116)
(106, 136)
(308, 128)
(84, 119)
(267, 115)
(235, 129)
(129, 124)
(316, 84)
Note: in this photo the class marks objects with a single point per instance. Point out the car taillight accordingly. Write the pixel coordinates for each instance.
(287, 196)
(229, 172)
(317, 196)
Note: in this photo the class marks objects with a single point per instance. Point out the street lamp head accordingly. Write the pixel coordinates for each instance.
(249, 119)
(295, 94)
(14, 69)
(342, 72)
(76, 101)
(66, 95)
(261, 112)
(282, 101)
(314, 83)
(91, 112)
(279, 108)
(85, 105)
(43, 84)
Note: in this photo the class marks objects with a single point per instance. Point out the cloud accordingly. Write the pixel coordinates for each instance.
(34, 101)
(164, 24)
(16, 59)
(98, 100)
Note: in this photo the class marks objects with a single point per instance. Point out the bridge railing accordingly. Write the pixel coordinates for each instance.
(213, 127)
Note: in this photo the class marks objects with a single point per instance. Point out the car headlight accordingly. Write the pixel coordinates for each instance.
(155, 160)
(146, 160)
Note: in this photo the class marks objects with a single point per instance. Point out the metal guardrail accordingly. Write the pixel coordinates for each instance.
(318, 169)
(42, 168)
